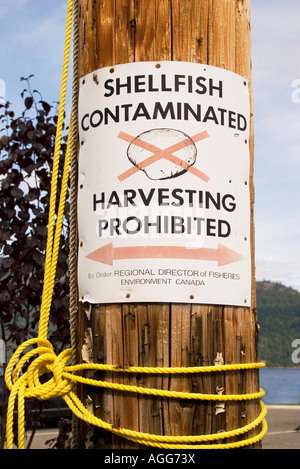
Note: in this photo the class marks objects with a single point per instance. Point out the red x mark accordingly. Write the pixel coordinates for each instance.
(158, 153)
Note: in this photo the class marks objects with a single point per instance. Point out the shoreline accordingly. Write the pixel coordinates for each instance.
(283, 406)
(281, 367)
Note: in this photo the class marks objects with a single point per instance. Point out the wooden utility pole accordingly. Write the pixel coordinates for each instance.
(212, 32)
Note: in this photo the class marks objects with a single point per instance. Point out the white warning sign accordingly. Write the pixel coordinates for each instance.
(163, 197)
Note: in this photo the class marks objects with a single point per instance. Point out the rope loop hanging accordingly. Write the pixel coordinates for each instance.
(36, 358)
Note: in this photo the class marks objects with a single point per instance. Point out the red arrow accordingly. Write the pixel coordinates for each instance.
(107, 253)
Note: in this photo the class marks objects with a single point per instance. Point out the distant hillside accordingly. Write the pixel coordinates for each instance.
(279, 319)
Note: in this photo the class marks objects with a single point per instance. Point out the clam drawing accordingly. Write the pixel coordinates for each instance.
(162, 153)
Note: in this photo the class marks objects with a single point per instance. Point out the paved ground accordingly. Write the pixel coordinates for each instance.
(42, 436)
(282, 424)
(282, 434)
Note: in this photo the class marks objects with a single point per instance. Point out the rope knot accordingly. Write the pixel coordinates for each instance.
(25, 382)
(40, 360)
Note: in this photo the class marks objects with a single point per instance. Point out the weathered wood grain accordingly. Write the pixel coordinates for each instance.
(215, 32)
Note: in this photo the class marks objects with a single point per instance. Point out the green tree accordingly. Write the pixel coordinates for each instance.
(279, 319)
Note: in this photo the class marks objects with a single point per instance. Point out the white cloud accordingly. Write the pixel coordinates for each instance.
(276, 65)
(278, 140)
(275, 46)
(277, 269)
(278, 232)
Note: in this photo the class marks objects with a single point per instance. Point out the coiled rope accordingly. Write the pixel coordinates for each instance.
(38, 354)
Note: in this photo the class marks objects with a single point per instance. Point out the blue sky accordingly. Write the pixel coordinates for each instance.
(32, 42)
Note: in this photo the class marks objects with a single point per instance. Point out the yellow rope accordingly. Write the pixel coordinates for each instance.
(41, 358)
(62, 381)
(53, 239)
